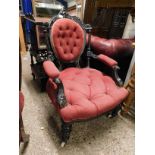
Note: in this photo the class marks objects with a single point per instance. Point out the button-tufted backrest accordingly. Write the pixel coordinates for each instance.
(68, 39)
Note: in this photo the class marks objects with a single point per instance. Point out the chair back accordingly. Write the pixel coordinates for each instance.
(67, 39)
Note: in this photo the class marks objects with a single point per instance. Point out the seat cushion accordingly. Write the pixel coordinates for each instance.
(89, 93)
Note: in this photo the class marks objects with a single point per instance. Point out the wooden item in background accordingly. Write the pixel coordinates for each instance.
(40, 33)
(42, 17)
(107, 17)
(129, 104)
(79, 10)
(72, 11)
(21, 38)
(115, 3)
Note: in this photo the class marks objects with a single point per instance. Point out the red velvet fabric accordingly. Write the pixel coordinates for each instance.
(89, 93)
(21, 102)
(21, 106)
(112, 47)
(50, 69)
(68, 39)
(105, 59)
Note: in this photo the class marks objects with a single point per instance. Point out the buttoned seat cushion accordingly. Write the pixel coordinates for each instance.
(89, 93)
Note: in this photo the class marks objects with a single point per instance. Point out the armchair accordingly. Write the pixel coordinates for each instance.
(78, 93)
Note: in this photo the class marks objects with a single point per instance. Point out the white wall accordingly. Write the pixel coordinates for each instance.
(129, 31)
(71, 3)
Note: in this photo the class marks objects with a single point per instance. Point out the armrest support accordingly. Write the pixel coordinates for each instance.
(116, 77)
(61, 99)
(50, 69)
(111, 63)
(107, 60)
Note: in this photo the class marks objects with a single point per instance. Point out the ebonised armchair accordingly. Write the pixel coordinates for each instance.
(79, 93)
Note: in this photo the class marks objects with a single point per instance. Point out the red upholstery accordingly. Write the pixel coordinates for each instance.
(21, 102)
(112, 47)
(68, 39)
(105, 59)
(89, 93)
(21, 105)
(50, 69)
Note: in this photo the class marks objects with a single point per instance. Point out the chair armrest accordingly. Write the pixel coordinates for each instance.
(114, 65)
(50, 69)
(107, 60)
(111, 63)
(116, 77)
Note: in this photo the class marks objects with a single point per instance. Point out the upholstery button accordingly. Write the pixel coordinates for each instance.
(89, 84)
(74, 28)
(89, 98)
(74, 44)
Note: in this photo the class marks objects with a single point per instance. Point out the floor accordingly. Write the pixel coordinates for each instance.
(100, 136)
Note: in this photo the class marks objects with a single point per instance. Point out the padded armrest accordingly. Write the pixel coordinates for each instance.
(50, 69)
(107, 60)
(112, 47)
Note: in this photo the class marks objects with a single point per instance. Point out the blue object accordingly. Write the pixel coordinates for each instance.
(27, 10)
(64, 3)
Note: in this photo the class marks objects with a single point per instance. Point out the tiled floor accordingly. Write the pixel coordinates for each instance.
(101, 136)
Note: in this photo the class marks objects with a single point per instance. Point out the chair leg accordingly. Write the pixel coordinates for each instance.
(23, 136)
(114, 112)
(66, 129)
(34, 77)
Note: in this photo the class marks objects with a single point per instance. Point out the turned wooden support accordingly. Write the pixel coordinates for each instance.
(131, 97)
(66, 129)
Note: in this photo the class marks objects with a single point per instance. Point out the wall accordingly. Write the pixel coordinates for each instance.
(129, 31)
